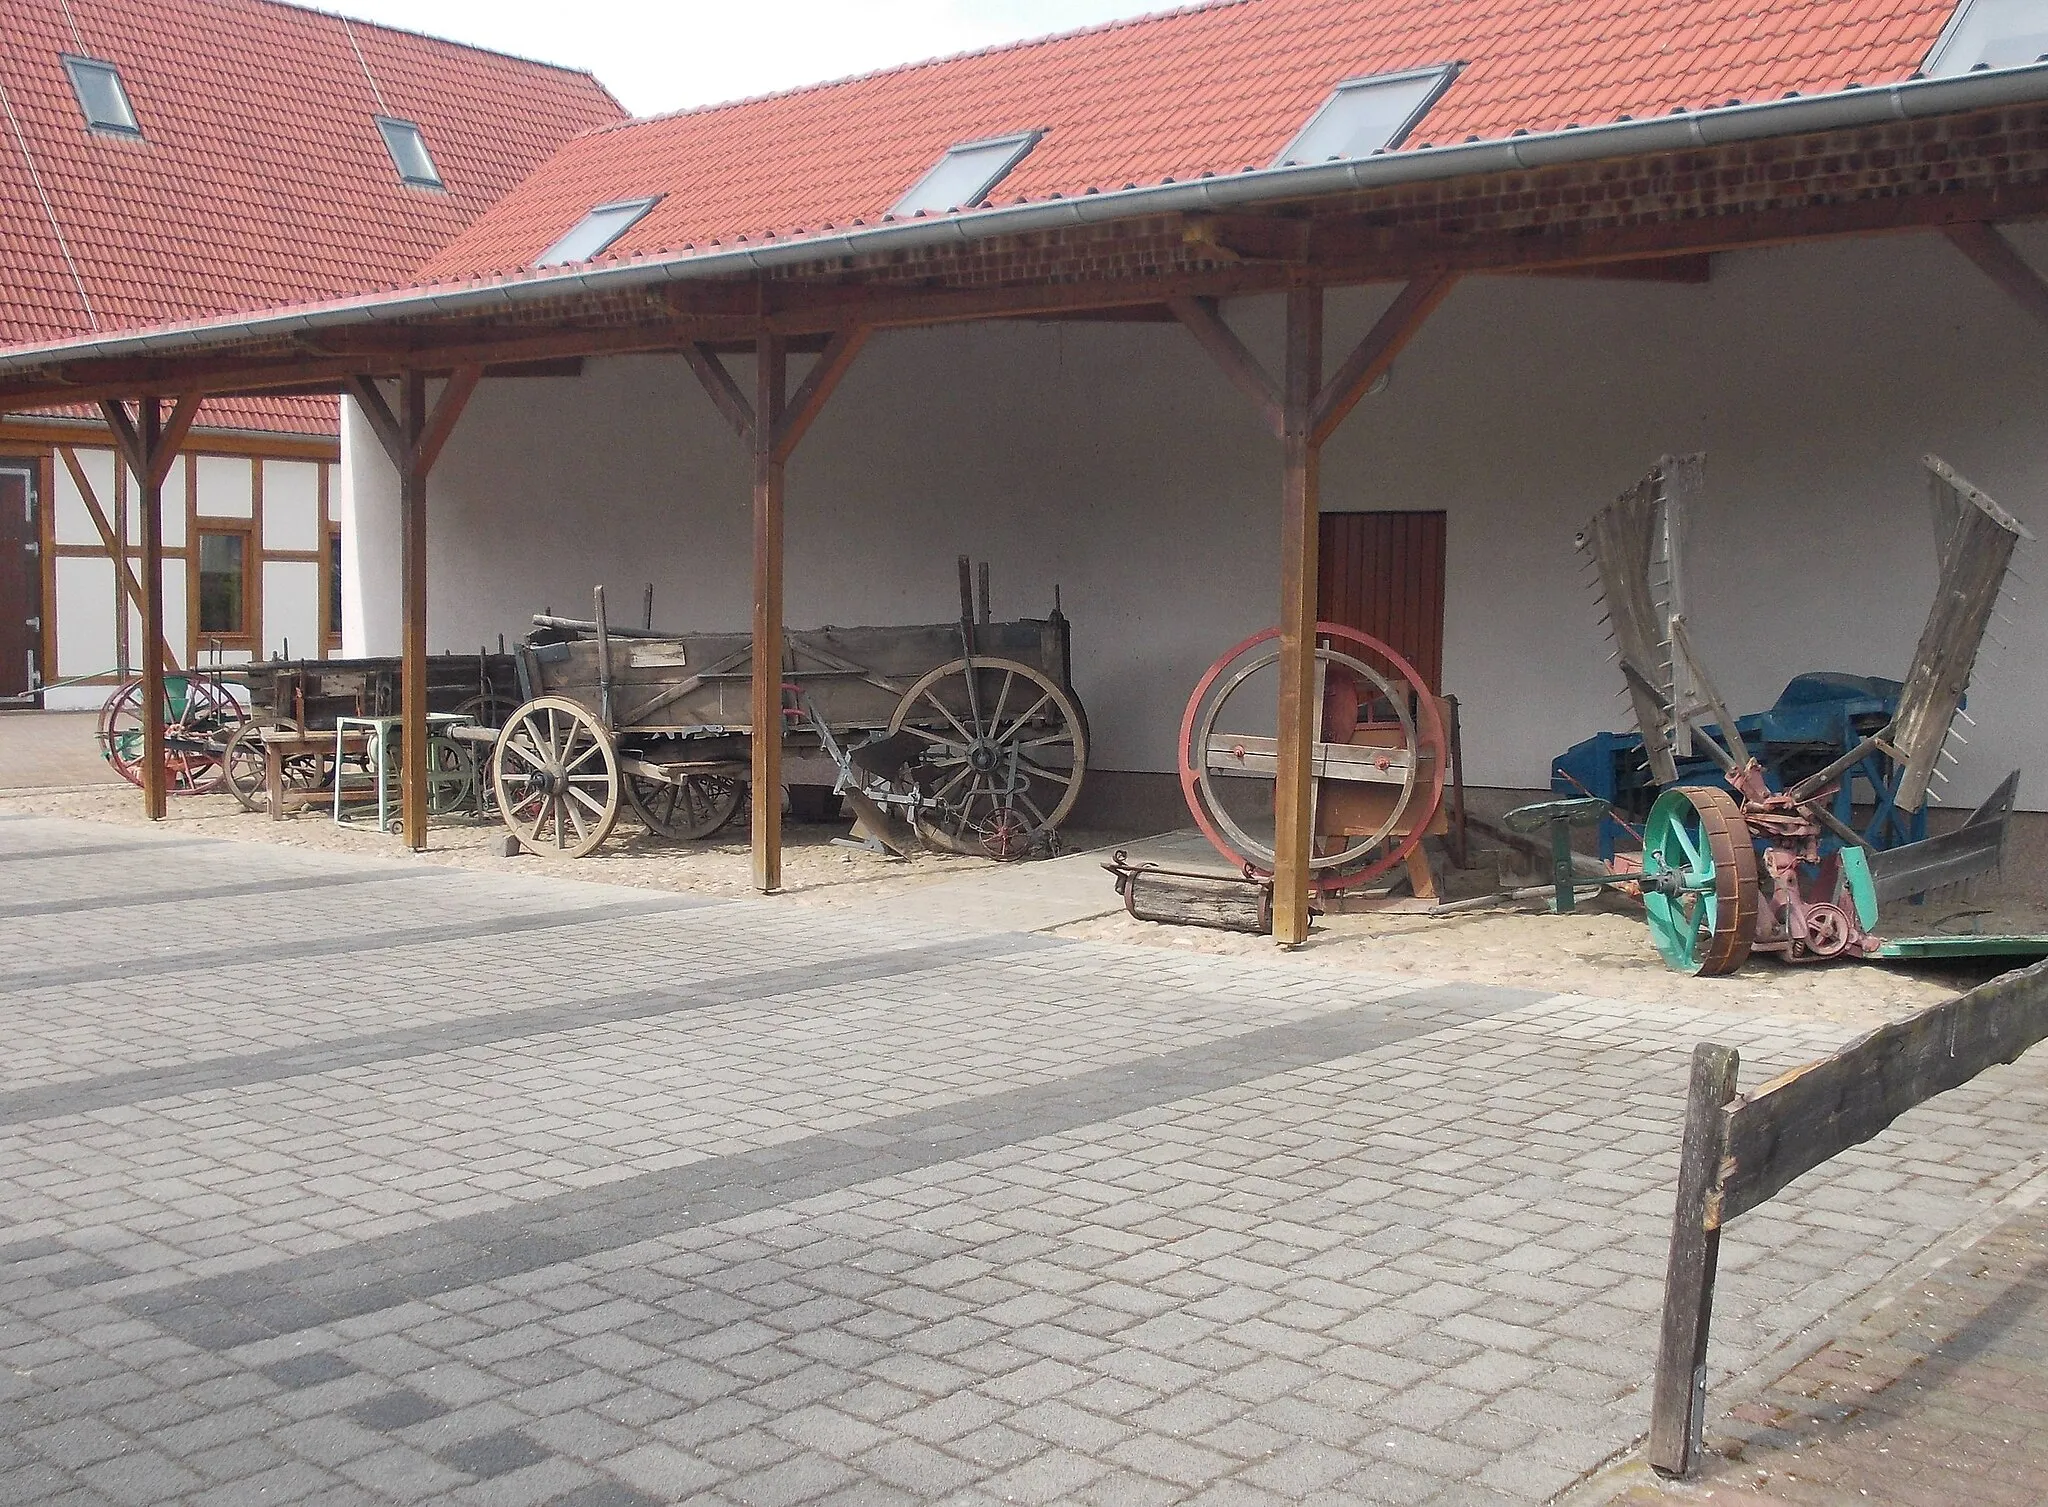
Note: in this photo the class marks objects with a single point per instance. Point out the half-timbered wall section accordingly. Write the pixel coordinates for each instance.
(251, 531)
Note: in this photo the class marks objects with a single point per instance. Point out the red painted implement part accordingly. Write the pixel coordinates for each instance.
(1380, 756)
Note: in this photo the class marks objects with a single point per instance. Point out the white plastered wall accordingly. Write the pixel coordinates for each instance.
(1114, 460)
(366, 506)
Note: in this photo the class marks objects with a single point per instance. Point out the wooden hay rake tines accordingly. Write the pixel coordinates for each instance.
(1798, 894)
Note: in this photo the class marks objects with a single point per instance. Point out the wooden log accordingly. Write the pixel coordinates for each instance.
(1222, 903)
(1802, 1118)
(1678, 1407)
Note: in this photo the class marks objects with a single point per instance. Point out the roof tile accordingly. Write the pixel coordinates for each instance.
(260, 178)
(1214, 88)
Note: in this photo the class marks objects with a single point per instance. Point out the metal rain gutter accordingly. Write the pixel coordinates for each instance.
(1916, 99)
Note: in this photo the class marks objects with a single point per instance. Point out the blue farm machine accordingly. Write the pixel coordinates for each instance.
(1781, 832)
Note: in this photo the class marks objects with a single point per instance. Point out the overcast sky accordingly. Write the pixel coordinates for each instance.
(659, 55)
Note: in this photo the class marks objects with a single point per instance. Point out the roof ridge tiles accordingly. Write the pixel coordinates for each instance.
(938, 60)
(433, 36)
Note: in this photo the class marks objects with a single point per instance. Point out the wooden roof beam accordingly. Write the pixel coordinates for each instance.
(1999, 260)
(1343, 250)
(1372, 356)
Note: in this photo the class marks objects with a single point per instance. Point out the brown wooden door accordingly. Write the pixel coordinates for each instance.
(1383, 574)
(20, 585)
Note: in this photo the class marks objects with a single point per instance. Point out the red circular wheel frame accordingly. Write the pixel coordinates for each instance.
(1429, 730)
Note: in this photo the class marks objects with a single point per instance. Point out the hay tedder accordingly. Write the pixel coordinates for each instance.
(1756, 861)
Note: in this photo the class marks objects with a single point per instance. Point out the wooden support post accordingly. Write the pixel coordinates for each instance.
(1300, 502)
(1678, 1408)
(413, 438)
(771, 379)
(1304, 411)
(149, 444)
(155, 799)
(412, 514)
(771, 427)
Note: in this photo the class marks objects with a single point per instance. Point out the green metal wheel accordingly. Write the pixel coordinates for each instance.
(1699, 880)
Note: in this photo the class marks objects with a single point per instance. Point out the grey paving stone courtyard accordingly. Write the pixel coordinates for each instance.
(336, 1181)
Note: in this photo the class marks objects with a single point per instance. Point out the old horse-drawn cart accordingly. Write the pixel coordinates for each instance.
(964, 735)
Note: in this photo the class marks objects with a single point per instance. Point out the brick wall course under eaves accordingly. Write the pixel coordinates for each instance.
(2002, 152)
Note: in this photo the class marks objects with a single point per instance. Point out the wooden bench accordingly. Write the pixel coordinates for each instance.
(280, 744)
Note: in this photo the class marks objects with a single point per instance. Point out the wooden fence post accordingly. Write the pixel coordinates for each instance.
(1678, 1411)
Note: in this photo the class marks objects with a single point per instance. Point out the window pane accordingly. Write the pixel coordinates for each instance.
(221, 579)
(334, 586)
(1363, 117)
(962, 178)
(408, 149)
(100, 95)
(1995, 33)
(594, 233)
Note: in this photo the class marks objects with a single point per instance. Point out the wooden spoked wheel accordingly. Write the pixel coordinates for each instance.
(1699, 880)
(1003, 756)
(1379, 752)
(248, 780)
(685, 810)
(557, 772)
(199, 718)
(486, 709)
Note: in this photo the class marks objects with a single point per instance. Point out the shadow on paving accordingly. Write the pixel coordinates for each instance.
(1939, 1397)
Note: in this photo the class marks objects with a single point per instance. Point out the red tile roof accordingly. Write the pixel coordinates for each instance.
(1212, 89)
(319, 416)
(260, 178)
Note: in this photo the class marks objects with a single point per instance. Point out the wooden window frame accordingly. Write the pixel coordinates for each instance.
(252, 583)
(330, 599)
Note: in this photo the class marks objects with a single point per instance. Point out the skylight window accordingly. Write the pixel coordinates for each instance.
(101, 95)
(963, 177)
(1991, 34)
(408, 149)
(1366, 115)
(595, 232)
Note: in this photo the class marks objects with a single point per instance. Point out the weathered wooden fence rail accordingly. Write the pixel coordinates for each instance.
(1740, 1151)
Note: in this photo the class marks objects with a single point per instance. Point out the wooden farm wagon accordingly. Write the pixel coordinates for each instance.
(965, 735)
(294, 705)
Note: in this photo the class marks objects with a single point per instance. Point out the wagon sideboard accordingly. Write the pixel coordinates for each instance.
(316, 691)
(855, 678)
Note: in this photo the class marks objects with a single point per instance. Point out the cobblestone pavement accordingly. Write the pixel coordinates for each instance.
(42, 749)
(1937, 1397)
(334, 1181)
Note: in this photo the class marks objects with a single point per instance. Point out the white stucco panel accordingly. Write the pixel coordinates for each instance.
(291, 606)
(72, 522)
(85, 609)
(227, 486)
(177, 614)
(291, 504)
(176, 494)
